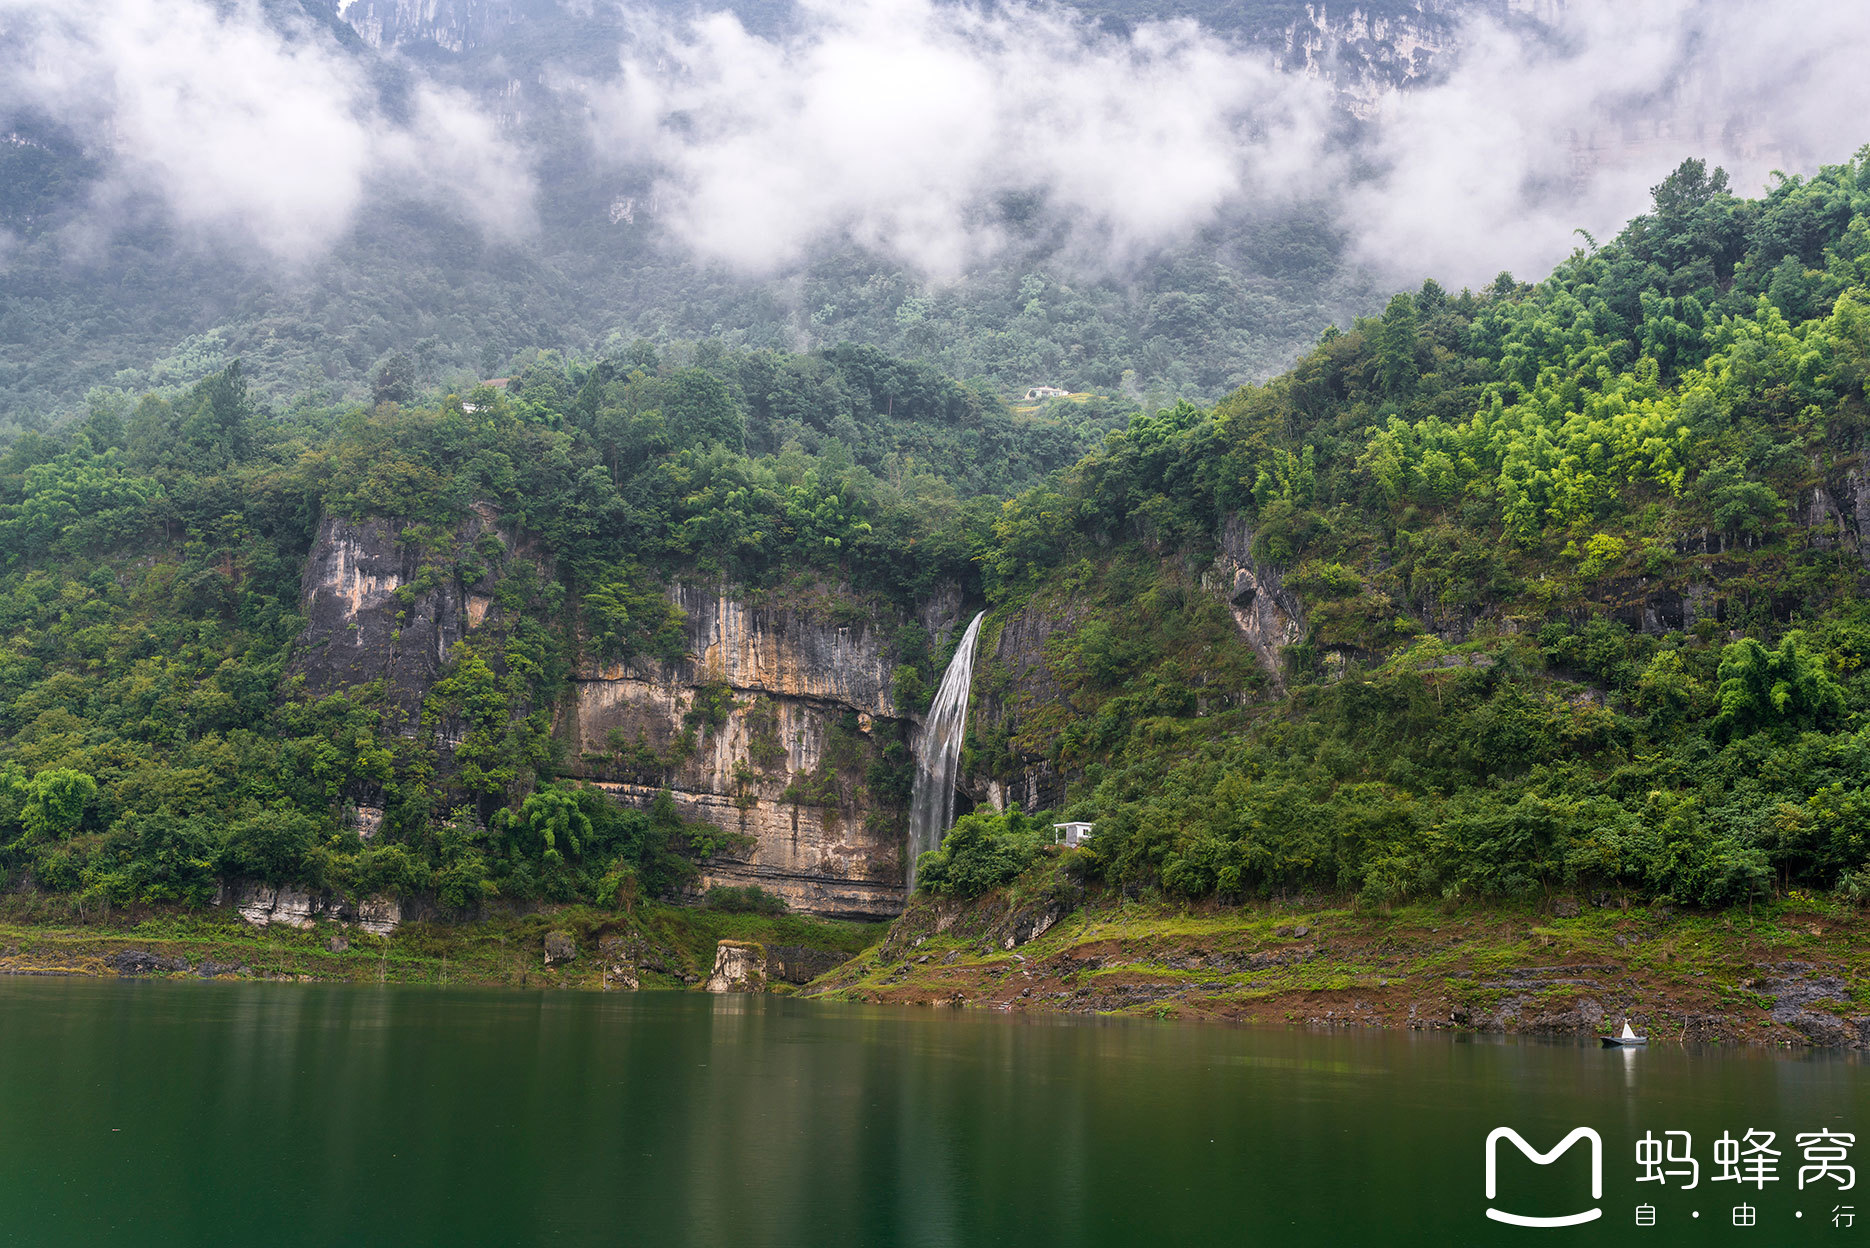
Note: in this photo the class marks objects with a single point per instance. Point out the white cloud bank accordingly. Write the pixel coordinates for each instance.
(247, 130)
(1529, 138)
(897, 121)
(903, 124)
(893, 122)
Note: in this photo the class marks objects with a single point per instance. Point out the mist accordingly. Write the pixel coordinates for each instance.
(897, 124)
(248, 132)
(908, 127)
(1542, 130)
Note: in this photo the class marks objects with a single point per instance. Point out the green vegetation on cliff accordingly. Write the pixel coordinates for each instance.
(158, 737)
(1540, 586)
(649, 946)
(1573, 571)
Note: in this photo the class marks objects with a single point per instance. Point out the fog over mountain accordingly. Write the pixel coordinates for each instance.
(895, 120)
(260, 133)
(897, 171)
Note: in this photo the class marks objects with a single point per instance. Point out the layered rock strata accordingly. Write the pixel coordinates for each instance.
(771, 727)
(768, 729)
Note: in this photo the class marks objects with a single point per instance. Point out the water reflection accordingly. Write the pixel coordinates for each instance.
(308, 1114)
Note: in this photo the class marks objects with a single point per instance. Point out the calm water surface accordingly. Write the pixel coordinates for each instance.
(182, 1113)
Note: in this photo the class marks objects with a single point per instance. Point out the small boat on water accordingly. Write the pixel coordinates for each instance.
(1628, 1040)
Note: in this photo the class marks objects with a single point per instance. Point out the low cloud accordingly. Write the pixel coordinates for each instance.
(898, 124)
(933, 131)
(245, 129)
(1539, 130)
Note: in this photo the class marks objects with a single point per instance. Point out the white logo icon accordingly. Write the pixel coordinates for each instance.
(1545, 1159)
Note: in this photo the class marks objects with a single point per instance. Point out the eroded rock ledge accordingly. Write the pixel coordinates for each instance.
(769, 729)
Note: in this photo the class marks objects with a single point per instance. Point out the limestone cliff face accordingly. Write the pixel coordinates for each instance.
(1836, 512)
(1016, 685)
(778, 726)
(770, 728)
(378, 607)
(1270, 616)
(1012, 680)
(1369, 56)
(452, 25)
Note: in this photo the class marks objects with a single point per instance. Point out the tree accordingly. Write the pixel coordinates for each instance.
(217, 415)
(56, 802)
(698, 410)
(1791, 290)
(1783, 688)
(1737, 504)
(551, 823)
(270, 845)
(172, 859)
(1396, 345)
(1695, 231)
(395, 380)
(981, 852)
(627, 613)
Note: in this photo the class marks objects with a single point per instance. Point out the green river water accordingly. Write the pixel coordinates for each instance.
(166, 1113)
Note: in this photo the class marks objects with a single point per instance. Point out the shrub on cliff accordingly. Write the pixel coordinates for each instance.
(983, 851)
(749, 900)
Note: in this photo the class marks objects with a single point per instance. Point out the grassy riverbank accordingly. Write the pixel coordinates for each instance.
(1793, 971)
(659, 946)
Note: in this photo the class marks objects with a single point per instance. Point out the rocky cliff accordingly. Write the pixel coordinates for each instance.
(778, 725)
(451, 25)
(1028, 690)
(380, 606)
(1269, 616)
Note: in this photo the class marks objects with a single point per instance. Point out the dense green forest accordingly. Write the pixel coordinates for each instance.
(151, 311)
(1571, 614)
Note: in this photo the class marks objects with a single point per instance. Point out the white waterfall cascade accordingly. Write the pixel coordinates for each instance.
(938, 753)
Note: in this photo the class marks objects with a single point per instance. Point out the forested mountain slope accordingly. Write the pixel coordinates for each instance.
(1570, 581)
(1553, 584)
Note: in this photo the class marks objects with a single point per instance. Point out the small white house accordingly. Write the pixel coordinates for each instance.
(1045, 392)
(1071, 835)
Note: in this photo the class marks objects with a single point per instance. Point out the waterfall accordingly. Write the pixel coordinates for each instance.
(938, 754)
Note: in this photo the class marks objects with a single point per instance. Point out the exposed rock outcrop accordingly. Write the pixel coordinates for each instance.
(767, 729)
(1795, 991)
(264, 905)
(800, 964)
(451, 25)
(379, 915)
(559, 948)
(770, 727)
(378, 607)
(143, 962)
(1269, 616)
(739, 966)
